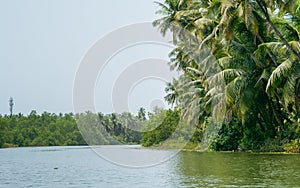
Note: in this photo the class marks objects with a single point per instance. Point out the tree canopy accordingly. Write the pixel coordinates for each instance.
(240, 61)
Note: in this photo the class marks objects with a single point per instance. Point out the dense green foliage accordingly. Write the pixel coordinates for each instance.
(160, 127)
(229, 137)
(60, 130)
(240, 60)
(39, 130)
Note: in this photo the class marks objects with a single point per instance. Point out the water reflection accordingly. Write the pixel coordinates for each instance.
(238, 169)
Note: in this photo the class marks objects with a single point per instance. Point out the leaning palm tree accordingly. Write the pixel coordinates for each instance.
(289, 7)
(250, 48)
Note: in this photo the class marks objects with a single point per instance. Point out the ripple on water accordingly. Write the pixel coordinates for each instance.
(82, 167)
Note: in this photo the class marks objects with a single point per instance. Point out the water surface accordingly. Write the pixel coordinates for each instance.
(82, 167)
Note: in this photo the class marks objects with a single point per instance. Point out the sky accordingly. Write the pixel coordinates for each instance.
(43, 43)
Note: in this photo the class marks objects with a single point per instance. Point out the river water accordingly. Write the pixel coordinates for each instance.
(82, 167)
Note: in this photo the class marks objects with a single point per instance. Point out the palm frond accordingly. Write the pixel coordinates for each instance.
(280, 73)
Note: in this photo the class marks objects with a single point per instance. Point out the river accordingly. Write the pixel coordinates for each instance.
(82, 167)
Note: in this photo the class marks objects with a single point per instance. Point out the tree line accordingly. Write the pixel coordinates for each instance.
(49, 129)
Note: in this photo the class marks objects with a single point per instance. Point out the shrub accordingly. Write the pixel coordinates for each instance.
(293, 146)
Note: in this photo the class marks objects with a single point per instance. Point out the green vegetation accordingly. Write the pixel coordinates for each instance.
(293, 146)
(160, 127)
(62, 130)
(39, 130)
(241, 66)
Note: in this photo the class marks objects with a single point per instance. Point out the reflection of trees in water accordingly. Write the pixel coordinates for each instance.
(238, 169)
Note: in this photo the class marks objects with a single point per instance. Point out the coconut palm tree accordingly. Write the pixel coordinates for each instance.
(244, 52)
(170, 10)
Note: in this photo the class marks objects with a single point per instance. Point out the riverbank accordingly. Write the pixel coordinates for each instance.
(6, 145)
(190, 147)
(290, 148)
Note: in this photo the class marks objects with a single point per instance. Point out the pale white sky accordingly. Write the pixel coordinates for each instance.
(42, 43)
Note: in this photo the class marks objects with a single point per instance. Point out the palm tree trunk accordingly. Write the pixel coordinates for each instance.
(262, 6)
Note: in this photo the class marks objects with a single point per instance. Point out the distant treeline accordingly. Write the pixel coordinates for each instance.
(39, 130)
(49, 129)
